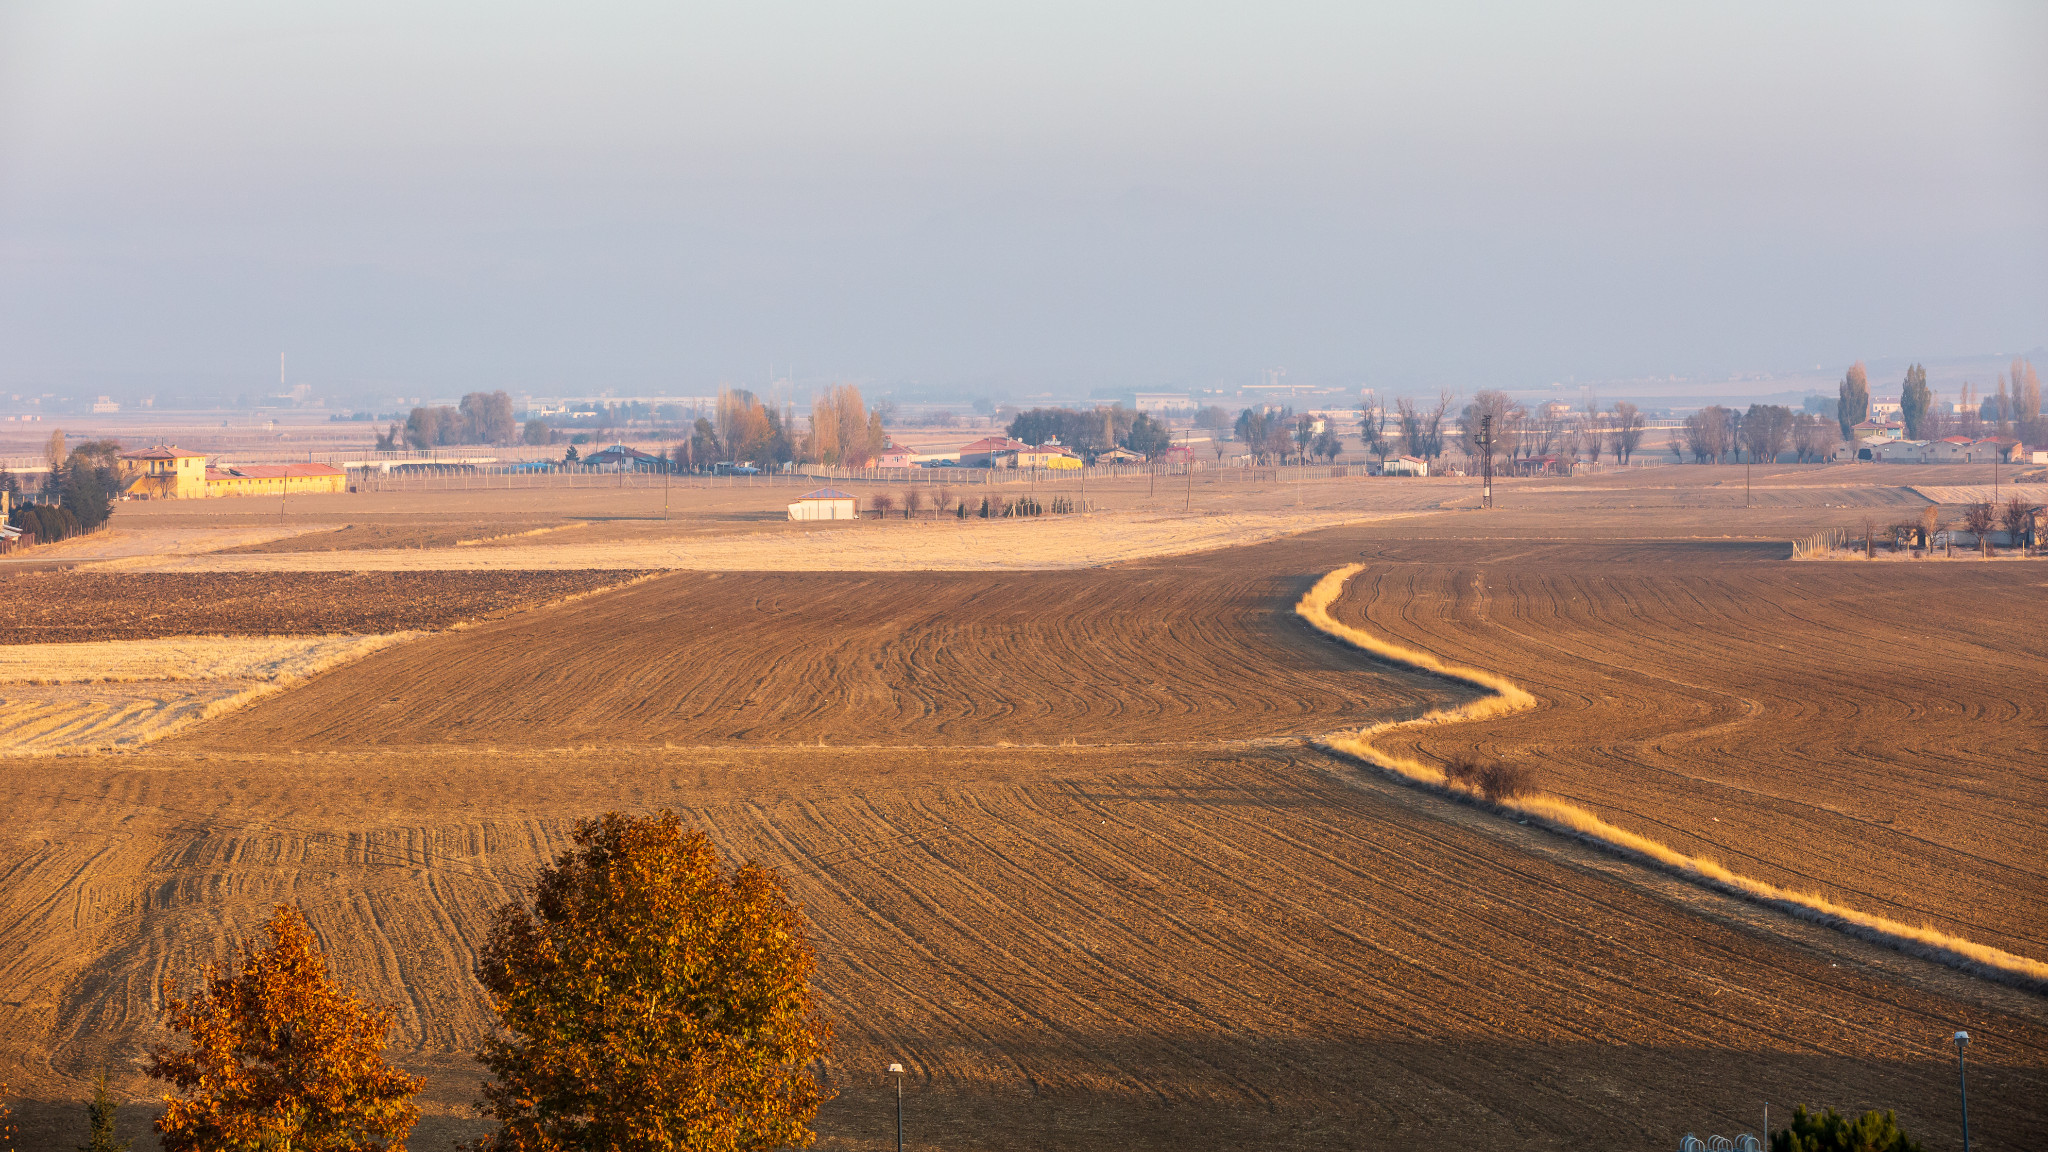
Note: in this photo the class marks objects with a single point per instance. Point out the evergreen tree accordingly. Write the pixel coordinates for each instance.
(1829, 1131)
(99, 1118)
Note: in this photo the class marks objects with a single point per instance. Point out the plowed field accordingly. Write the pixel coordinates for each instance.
(1068, 861)
(1101, 948)
(1829, 728)
(54, 607)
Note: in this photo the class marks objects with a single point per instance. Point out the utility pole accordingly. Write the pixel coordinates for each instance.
(1486, 461)
(1963, 1085)
(898, 1070)
(1187, 442)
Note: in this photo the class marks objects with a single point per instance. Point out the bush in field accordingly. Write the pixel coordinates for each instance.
(651, 999)
(1830, 1131)
(883, 503)
(1497, 780)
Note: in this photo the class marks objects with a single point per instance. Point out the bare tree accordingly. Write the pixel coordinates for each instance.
(1627, 431)
(945, 500)
(913, 501)
(883, 503)
(1930, 523)
(2015, 517)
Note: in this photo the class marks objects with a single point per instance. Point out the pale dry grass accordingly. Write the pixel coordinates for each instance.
(266, 658)
(122, 693)
(1038, 543)
(1506, 697)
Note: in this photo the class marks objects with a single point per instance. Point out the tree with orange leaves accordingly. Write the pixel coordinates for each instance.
(651, 1000)
(282, 1057)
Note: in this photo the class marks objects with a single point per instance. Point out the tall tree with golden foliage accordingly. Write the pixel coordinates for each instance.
(843, 431)
(281, 1056)
(651, 1000)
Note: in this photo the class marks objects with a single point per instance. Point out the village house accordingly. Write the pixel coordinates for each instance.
(983, 453)
(1057, 456)
(163, 472)
(1889, 429)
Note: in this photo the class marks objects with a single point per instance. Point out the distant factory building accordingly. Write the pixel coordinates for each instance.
(824, 504)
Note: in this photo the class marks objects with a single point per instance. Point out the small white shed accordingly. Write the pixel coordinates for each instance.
(824, 504)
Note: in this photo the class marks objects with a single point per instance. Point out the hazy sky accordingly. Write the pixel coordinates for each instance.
(435, 196)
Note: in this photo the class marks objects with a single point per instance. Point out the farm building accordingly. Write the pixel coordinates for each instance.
(824, 504)
(894, 457)
(167, 472)
(1889, 429)
(621, 457)
(1405, 466)
(274, 479)
(164, 472)
(1044, 456)
(1120, 456)
(983, 452)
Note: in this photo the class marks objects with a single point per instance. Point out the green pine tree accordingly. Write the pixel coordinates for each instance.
(99, 1116)
(1829, 1131)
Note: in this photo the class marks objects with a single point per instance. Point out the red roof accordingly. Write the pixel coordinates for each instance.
(994, 444)
(161, 452)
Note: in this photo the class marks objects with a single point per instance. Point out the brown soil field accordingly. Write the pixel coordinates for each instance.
(69, 606)
(1865, 735)
(1096, 947)
(1068, 857)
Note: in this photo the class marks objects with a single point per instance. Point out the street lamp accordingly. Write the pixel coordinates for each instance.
(897, 1070)
(1962, 1084)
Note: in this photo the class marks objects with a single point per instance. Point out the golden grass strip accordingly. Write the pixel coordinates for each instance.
(1561, 815)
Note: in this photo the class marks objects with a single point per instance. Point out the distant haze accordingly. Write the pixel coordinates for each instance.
(949, 198)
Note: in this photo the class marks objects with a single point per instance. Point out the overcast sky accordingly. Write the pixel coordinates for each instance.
(435, 196)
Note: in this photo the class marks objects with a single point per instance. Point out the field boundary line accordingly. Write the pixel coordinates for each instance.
(1570, 819)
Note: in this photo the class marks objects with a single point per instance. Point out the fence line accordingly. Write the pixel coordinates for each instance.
(1827, 540)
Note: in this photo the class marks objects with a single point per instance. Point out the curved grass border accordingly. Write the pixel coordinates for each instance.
(1558, 815)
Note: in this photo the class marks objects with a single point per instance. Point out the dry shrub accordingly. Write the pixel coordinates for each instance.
(913, 502)
(1463, 770)
(945, 499)
(1497, 781)
(882, 503)
(1501, 780)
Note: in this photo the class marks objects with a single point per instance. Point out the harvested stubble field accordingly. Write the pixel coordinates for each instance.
(1155, 919)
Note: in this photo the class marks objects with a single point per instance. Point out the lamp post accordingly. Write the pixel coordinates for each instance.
(1962, 1086)
(897, 1070)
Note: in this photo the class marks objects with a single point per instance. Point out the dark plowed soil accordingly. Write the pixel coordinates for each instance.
(56, 607)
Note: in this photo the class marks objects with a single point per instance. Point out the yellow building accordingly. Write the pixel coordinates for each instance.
(1049, 456)
(275, 479)
(165, 472)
